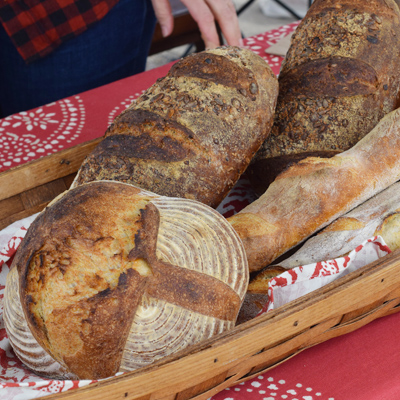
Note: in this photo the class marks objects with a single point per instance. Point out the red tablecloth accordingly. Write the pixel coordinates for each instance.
(358, 366)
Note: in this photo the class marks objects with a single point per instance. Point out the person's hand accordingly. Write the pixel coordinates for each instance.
(206, 13)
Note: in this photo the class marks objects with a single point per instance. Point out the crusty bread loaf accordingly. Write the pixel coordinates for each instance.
(341, 75)
(193, 133)
(253, 303)
(379, 215)
(111, 278)
(314, 192)
(257, 293)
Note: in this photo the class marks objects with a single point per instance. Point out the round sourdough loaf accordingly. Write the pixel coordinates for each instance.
(193, 133)
(111, 278)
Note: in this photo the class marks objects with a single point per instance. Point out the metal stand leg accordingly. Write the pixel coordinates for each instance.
(244, 7)
(283, 5)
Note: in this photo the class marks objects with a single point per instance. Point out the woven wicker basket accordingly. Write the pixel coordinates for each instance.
(237, 355)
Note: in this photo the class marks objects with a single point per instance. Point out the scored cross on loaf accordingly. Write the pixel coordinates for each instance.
(112, 278)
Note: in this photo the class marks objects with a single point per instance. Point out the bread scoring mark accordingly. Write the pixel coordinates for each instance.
(268, 169)
(330, 77)
(175, 179)
(143, 147)
(345, 223)
(102, 327)
(106, 292)
(259, 283)
(164, 171)
(183, 287)
(146, 237)
(151, 129)
(208, 66)
(194, 291)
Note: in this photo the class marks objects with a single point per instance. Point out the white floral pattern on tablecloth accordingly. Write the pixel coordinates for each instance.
(259, 43)
(28, 135)
(266, 387)
(301, 280)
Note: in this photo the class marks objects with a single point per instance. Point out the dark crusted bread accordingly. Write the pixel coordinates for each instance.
(193, 133)
(341, 75)
(112, 278)
(257, 293)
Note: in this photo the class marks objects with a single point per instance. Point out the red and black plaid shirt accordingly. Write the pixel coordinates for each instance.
(37, 27)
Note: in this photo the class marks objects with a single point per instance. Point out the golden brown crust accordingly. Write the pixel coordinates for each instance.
(194, 132)
(91, 333)
(378, 215)
(344, 223)
(389, 230)
(259, 283)
(74, 275)
(339, 78)
(85, 266)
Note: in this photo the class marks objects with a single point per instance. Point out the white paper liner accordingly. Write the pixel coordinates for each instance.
(299, 281)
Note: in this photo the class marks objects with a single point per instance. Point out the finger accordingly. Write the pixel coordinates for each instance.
(163, 12)
(204, 17)
(225, 14)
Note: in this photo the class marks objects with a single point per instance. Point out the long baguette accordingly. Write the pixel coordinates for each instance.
(379, 215)
(311, 194)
